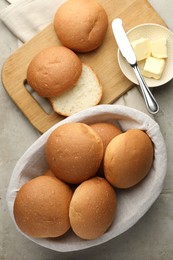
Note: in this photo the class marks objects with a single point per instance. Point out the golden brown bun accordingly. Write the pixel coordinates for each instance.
(49, 173)
(41, 207)
(92, 208)
(81, 25)
(74, 152)
(54, 70)
(128, 158)
(106, 131)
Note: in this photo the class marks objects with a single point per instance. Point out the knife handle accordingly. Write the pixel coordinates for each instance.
(150, 101)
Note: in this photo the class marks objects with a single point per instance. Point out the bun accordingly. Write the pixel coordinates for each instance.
(49, 173)
(88, 87)
(74, 152)
(106, 131)
(81, 25)
(54, 70)
(40, 211)
(128, 158)
(92, 208)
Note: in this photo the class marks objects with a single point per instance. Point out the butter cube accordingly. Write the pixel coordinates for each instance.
(141, 64)
(159, 48)
(153, 68)
(141, 48)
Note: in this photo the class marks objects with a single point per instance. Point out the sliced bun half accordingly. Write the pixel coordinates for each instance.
(87, 92)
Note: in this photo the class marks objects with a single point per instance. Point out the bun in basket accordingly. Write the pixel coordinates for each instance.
(128, 158)
(106, 131)
(41, 207)
(92, 208)
(54, 70)
(81, 25)
(49, 173)
(74, 152)
(87, 92)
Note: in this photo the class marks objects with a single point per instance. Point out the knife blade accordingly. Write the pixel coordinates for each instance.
(127, 51)
(123, 42)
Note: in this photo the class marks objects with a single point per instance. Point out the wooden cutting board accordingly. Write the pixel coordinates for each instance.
(103, 61)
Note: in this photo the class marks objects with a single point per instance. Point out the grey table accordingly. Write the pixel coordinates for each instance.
(151, 238)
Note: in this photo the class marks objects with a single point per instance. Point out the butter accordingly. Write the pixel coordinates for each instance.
(159, 48)
(141, 48)
(150, 56)
(153, 68)
(141, 64)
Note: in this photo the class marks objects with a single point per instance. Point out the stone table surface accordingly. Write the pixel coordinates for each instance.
(152, 236)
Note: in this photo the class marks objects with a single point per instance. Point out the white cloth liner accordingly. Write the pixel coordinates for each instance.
(25, 18)
(132, 203)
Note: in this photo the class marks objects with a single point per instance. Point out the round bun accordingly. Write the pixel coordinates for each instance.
(54, 70)
(92, 208)
(49, 173)
(74, 152)
(128, 158)
(41, 207)
(81, 25)
(106, 131)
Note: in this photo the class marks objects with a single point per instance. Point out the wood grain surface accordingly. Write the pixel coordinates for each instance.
(103, 61)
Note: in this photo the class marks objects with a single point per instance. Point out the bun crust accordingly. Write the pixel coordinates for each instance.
(41, 207)
(54, 70)
(74, 152)
(49, 173)
(92, 208)
(81, 25)
(128, 158)
(106, 131)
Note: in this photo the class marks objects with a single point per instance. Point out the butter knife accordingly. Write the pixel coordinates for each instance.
(127, 51)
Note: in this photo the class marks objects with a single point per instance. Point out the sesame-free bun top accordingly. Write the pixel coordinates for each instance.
(41, 207)
(74, 152)
(49, 173)
(128, 158)
(107, 132)
(54, 70)
(92, 208)
(81, 25)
